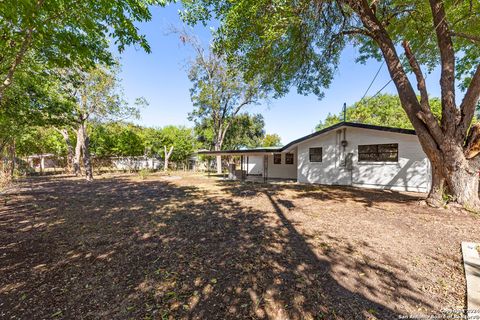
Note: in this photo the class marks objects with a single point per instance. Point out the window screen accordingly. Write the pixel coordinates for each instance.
(289, 158)
(378, 152)
(315, 154)
(277, 158)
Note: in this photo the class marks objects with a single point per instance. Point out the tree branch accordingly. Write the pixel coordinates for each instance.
(447, 59)
(468, 105)
(474, 39)
(356, 31)
(426, 114)
(18, 59)
(407, 94)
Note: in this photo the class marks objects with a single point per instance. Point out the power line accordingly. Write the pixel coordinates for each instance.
(389, 81)
(373, 80)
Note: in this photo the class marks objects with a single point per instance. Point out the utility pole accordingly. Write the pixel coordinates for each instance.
(344, 112)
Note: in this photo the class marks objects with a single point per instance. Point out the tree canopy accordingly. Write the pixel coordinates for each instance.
(299, 43)
(271, 140)
(66, 32)
(246, 131)
(382, 110)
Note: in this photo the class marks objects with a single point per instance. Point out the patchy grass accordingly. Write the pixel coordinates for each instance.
(188, 246)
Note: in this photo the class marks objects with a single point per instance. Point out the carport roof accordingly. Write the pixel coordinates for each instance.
(317, 133)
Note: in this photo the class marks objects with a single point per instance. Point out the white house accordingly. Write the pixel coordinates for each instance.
(347, 153)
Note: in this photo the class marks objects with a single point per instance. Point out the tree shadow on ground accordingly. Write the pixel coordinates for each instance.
(123, 249)
(367, 197)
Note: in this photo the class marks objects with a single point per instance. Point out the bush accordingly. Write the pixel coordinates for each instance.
(144, 173)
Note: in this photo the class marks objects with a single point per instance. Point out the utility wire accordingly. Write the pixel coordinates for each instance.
(389, 81)
(373, 80)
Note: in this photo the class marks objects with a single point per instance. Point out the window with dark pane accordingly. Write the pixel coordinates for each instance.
(378, 152)
(289, 158)
(277, 158)
(315, 154)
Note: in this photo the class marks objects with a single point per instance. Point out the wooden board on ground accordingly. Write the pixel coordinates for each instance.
(471, 261)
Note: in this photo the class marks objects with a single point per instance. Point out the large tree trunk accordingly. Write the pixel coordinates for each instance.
(219, 164)
(463, 188)
(87, 161)
(78, 153)
(218, 147)
(461, 177)
(167, 157)
(82, 136)
(437, 189)
(12, 157)
(70, 155)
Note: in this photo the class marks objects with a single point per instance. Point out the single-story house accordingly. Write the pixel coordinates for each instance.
(43, 161)
(347, 153)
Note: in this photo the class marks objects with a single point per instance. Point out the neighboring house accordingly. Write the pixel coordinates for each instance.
(344, 154)
(43, 161)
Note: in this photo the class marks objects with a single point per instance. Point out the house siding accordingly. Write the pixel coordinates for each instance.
(410, 173)
(283, 170)
(254, 165)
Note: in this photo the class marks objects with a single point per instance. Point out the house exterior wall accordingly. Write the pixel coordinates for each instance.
(254, 165)
(410, 173)
(283, 170)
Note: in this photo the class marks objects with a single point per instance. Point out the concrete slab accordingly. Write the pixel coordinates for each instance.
(471, 262)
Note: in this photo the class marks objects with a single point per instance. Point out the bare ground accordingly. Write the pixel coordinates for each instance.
(192, 247)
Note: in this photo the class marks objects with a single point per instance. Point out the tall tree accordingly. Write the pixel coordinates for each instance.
(382, 110)
(30, 103)
(271, 140)
(299, 43)
(66, 32)
(246, 131)
(219, 93)
(98, 97)
(178, 144)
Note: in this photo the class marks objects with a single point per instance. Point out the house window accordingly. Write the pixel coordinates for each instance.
(315, 154)
(378, 152)
(277, 158)
(289, 158)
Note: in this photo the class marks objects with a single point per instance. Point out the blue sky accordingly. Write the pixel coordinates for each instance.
(161, 77)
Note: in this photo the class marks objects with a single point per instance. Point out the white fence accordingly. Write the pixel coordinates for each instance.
(135, 163)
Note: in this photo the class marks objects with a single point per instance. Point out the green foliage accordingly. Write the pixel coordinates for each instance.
(271, 140)
(116, 139)
(182, 140)
(125, 139)
(298, 43)
(219, 93)
(31, 103)
(144, 173)
(98, 94)
(382, 110)
(40, 140)
(245, 131)
(66, 32)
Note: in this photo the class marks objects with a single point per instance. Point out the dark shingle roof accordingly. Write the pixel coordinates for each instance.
(317, 133)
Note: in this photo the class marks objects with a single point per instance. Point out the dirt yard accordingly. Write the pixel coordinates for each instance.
(193, 247)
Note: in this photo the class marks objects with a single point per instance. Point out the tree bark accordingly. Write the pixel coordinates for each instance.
(13, 161)
(218, 147)
(437, 189)
(70, 155)
(167, 157)
(84, 140)
(87, 161)
(78, 153)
